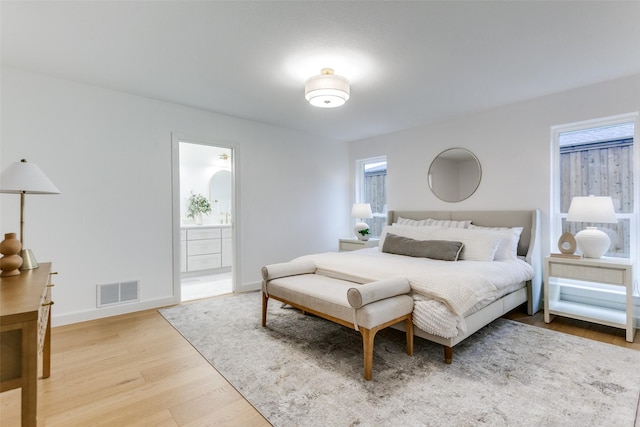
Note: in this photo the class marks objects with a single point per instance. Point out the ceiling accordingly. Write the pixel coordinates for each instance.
(409, 63)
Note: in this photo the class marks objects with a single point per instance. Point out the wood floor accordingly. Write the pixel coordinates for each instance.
(607, 334)
(130, 370)
(137, 370)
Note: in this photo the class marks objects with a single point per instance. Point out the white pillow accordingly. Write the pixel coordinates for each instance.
(509, 238)
(449, 223)
(434, 222)
(412, 232)
(479, 245)
(412, 222)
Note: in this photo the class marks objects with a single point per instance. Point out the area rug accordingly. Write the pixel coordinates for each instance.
(304, 371)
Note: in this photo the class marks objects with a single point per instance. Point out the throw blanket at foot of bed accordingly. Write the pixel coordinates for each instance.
(367, 308)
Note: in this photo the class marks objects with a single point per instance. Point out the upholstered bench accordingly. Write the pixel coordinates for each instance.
(367, 308)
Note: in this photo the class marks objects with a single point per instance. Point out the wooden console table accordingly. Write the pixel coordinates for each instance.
(25, 330)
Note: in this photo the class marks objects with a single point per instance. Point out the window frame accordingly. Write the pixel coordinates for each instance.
(556, 216)
(360, 179)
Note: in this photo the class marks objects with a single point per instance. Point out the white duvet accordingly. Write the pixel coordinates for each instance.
(443, 291)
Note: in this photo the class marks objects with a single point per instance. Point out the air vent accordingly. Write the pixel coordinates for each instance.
(118, 293)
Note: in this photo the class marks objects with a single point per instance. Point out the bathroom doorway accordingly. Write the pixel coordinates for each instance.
(206, 220)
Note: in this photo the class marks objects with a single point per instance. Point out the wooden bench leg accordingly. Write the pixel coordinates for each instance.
(265, 300)
(408, 326)
(448, 355)
(367, 342)
(368, 336)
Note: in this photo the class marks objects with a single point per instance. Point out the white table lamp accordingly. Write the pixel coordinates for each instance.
(593, 243)
(25, 178)
(361, 211)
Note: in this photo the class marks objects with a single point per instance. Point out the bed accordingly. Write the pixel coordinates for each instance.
(443, 290)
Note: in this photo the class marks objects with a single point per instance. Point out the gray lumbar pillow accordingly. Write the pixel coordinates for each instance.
(435, 249)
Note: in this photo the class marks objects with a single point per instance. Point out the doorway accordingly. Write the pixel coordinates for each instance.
(206, 199)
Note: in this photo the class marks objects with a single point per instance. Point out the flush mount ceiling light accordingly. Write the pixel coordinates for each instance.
(327, 90)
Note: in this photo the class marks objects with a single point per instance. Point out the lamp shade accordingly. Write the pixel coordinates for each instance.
(361, 210)
(25, 177)
(592, 209)
(327, 90)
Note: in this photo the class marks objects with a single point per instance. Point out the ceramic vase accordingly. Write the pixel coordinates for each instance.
(11, 262)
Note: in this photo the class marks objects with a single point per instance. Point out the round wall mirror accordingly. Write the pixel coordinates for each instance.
(220, 190)
(454, 175)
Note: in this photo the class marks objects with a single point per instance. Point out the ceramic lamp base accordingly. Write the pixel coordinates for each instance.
(28, 260)
(592, 242)
(359, 227)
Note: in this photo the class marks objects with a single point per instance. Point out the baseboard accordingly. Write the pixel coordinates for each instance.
(99, 313)
(248, 287)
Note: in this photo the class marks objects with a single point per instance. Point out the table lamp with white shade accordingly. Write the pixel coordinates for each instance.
(25, 178)
(361, 211)
(593, 243)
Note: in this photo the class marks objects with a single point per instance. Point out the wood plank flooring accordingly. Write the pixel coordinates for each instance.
(607, 334)
(130, 370)
(137, 370)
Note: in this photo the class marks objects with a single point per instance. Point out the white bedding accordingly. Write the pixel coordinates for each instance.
(443, 291)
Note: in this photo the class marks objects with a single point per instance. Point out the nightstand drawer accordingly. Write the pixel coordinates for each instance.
(593, 274)
(350, 246)
(355, 244)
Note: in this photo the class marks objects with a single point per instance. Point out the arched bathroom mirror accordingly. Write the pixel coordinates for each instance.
(220, 191)
(454, 175)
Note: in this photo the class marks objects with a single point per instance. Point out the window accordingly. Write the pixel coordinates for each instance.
(597, 158)
(371, 187)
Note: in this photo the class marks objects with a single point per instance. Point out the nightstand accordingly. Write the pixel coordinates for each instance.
(354, 244)
(617, 272)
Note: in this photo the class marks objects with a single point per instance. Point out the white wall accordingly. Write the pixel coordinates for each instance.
(511, 142)
(109, 153)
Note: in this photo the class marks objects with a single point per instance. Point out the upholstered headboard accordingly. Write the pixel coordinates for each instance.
(528, 247)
